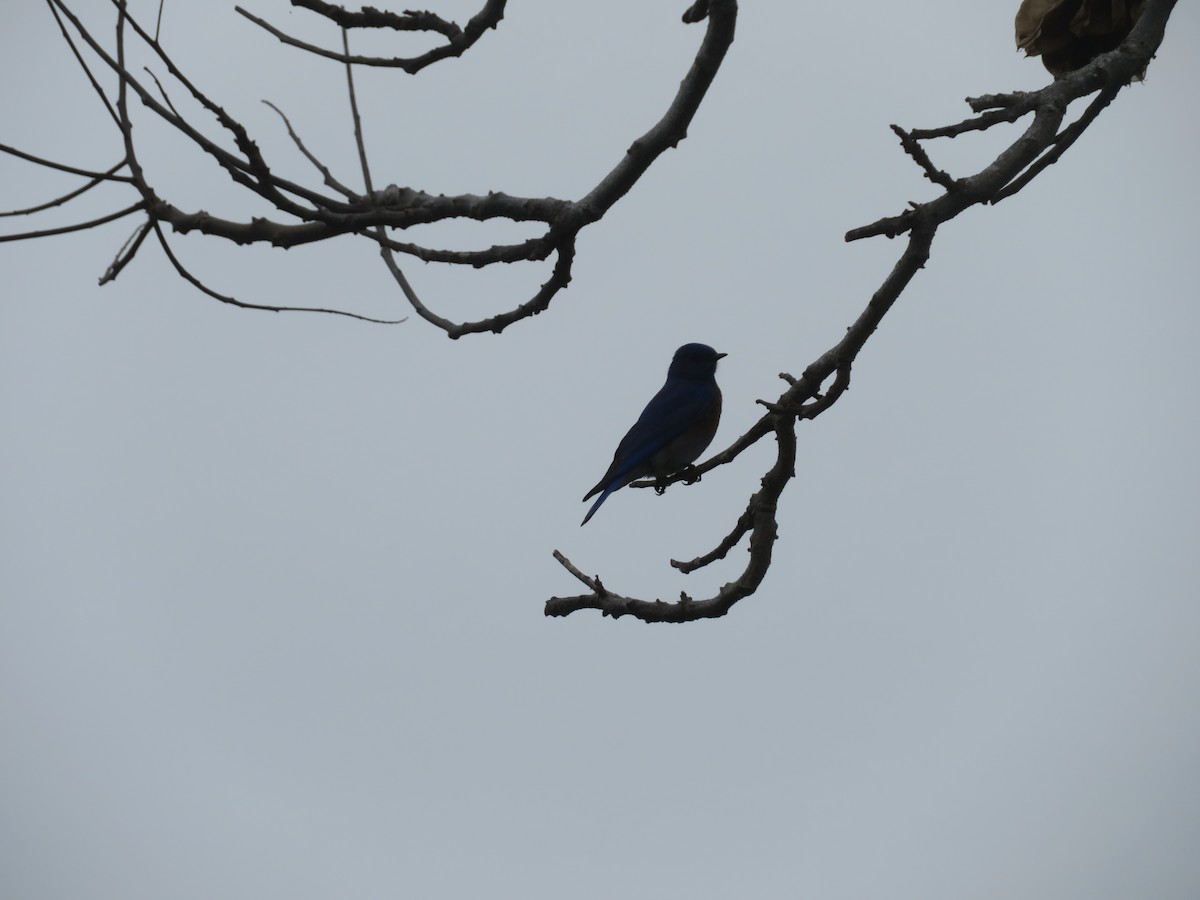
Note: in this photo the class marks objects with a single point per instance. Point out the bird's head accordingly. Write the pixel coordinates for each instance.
(696, 362)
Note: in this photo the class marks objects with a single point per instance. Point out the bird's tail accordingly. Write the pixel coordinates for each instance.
(595, 506)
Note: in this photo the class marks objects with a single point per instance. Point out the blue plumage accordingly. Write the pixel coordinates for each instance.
(675, 427)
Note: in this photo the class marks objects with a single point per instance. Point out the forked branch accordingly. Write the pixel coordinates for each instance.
(1042, 143)
(328, 207)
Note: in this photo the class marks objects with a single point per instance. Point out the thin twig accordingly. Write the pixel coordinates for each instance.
(162, 91)
(980, 123)
(55, 6)
(358, 129)
(66, 198)
(593, 584)
(325, 173)
(86, 173)
(379, 230)
(252, 171)
(233, 301)
(407, 289)
(743, 525)
(67, 229)
(128, 250)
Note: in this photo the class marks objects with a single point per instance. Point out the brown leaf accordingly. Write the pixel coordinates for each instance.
(1068, 34)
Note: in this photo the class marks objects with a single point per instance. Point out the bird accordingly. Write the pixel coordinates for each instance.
(675, 427)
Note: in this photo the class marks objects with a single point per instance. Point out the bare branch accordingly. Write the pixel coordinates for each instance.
(86, 173)
(744, 523)
(268, 186)
(233, 301)
(592, 584)
(99, 178)
(1009, 172)
(1061, 143)
(458, 40)
(320, 167)
(369, 17)
(128, 250)
(163, 91)
(1107, 74)
(358, 131)
(914, 149)
(53, 4)
(672, 127)
(67, 229)
(312, 215)
(532, 250)
(697, 12)
(763, 534)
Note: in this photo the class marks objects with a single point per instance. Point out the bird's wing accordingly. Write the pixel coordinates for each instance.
(679, 405)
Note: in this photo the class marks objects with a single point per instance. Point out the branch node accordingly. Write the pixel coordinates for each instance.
(921, 158)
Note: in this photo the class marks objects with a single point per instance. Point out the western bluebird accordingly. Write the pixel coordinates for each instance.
(674, 428)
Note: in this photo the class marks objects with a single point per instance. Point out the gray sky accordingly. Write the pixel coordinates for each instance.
(271, 586)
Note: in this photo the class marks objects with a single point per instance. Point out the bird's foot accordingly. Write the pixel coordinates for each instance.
(690, 475)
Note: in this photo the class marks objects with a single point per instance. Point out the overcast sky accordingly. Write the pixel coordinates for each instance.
(271, 586)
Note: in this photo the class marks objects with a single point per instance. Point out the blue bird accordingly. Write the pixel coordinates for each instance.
(674, 428)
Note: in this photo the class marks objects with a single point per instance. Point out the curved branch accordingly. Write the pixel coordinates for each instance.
(458, 39)
(99, 178)
(763, 532)
(1039, 146)
(311, 215)
(320, 166)
(233, 301)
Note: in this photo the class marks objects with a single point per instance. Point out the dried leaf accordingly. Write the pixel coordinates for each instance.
(1068, 34)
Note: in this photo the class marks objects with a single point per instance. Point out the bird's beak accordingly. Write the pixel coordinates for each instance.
(722, 355)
